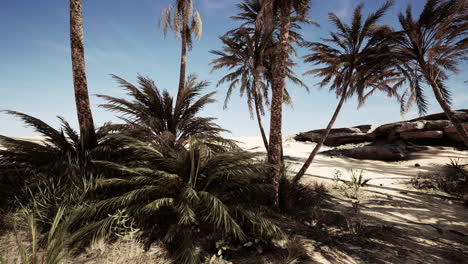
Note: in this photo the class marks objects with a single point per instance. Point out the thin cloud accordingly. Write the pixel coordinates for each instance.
(218, 4)
(127, 37)
(345, 9)
(52, 45)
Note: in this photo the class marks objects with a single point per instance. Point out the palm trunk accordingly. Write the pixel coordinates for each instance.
(259, 114)
(448, 112)
(83, 108)
(317, 147)
(183, 61)
(274, 153)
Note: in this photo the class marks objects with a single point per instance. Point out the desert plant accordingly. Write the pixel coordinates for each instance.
(298, 198)
(51, 169)
(284, 10)
(184, 22)
(56, 248)
(428, 49)
(85, 118)
(179, 198)
(249, 55)
(336, 178)
(354, 58)
(58, 149)
(356, 181)
(154, 117)
(452, 179)
(122, 224)
(354, 219)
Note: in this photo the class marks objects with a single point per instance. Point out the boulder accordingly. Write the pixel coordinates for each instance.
(452, 133)
(384, 130)
(411, 126)
(345, 138)
(435, 128)
(384, 153)
(422, 134)
(437, 124)
(461, 114)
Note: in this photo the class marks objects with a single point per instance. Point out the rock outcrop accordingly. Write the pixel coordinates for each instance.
(432, 129)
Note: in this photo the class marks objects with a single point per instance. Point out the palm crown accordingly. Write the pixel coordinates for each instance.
(359, 57)
(183, 19)
(429, 47)
(153, 116)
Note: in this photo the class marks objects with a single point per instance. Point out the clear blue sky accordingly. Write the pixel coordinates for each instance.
(121, 38)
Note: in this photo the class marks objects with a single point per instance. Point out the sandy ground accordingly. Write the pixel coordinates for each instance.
(422, 226)
(432, 225)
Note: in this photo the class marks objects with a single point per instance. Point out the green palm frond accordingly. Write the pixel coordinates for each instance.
(196, 187)
(355, 59)
(181, 16)
(249, 56)
(429, 47)
(154, 116)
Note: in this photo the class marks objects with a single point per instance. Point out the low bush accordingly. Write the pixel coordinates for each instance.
(452, 179)
(188, 201)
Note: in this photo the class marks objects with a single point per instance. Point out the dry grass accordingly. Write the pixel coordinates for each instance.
(451, 178)
(124, 250)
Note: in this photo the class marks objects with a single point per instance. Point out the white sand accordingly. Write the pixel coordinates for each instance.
(389, 199)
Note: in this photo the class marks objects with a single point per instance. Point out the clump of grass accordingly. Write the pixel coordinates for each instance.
(55, 250)
(356, 182)
(452, 179)
(299, 197)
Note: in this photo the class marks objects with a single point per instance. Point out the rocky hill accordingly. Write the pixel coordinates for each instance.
(393, 141)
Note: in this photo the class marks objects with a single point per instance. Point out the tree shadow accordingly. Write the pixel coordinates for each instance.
(414, 227)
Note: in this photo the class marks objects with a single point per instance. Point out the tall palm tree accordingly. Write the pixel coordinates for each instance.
(184, 22)
(243, 55)
(270, 11)
(429, 48)
(358, 58)
(154, 116)
(249, 57)
(83, 108)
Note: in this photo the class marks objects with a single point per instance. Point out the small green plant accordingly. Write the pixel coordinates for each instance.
(357, 181)
(223, 247)
(336, 178)
(122, 225)
(257, 244)
(354, 219)
(56, 249)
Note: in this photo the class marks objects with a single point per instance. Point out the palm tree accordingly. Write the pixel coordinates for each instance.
(430, 47)
(270, 11)
(56, 171)
(152, 115)
(55, 151)
(83, 108)
(184, 22)
(248, 56)
(187, 199)
(243, 55)
(358, 59)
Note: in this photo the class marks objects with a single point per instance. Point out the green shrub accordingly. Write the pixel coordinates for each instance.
(188, 200)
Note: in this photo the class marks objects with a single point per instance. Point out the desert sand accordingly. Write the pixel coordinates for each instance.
(419, 226)
(428, 225)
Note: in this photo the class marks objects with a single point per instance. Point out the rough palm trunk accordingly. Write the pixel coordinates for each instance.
(448, 112)
(317, 147)
(275, 153)
(183, 61)
(83, 108)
